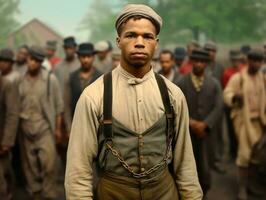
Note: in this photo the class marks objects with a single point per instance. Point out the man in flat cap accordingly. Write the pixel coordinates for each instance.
(134, 124)
(40, 119)
(180, 56)
(9, 112)
(51, 47)
(245, 93)
(204, 97)
(103, 58)
(6, 65)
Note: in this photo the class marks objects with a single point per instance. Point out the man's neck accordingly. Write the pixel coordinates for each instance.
(167, 73)
(86, 72)
(20, 63)
(138, 72)
(252, 73)
(199, 75)
(70, 59)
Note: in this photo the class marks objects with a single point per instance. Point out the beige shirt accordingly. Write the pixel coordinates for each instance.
(137, 104)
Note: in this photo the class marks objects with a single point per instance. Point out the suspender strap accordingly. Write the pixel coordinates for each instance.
(169, 111)
(107, 106)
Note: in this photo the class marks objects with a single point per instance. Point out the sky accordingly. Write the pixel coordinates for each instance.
(64, 16)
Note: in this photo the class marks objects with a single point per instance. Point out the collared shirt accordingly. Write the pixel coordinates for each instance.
(197, 82)
(137, 104)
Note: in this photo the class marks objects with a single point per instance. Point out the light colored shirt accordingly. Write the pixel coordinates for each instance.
(137, 104)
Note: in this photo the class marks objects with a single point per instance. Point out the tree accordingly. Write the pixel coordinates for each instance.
(8, 9)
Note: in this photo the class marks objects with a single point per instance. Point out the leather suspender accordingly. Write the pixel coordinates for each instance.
(108, 100)
(107, 106)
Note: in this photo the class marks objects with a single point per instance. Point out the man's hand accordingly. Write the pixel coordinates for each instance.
(198, 127)
(58, 135)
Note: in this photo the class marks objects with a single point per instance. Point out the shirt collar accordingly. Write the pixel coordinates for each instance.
(131, 79)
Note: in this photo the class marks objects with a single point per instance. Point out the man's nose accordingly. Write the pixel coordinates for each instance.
(139, 42)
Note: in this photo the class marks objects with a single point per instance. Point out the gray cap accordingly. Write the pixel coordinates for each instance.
(210, 46)
(51, 44)
(101, 46)
(37, 52)
(7, 54)
(142, 10)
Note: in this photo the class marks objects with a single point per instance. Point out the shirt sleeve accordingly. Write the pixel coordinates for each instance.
(11, 115)
(231, 89)
(82, 150)
(57, 96)
(184, 165)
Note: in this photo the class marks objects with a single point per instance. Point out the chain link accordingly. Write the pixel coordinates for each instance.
(147, 172)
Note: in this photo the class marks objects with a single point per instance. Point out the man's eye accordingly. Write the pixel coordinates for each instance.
(129, 36)
(149, 37)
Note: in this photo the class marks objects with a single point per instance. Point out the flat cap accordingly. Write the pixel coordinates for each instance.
(37, 52)
(200, 53)
(236, 55)
(102, 46)
(132, 10)
(51, 44)
(210, 46)
(7, 54)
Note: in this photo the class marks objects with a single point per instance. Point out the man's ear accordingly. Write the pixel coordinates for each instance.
(157, 43)
(118, 42)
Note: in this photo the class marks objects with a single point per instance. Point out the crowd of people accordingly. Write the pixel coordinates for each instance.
(39, 92)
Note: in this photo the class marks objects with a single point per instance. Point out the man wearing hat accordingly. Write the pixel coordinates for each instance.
(133, 123)
(6, 65)
(40, 119)
(245, 95)
(103, 59)
(168, 69)
(186, 67)
(180, 55)
(9, 111)
(204, 97)
(51, 47)
(20, 64)
(237, 58)
(82, 77)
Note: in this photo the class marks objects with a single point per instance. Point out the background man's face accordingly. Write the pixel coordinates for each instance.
(167, 62)
(5, 66)
(33, 65)
(50, 52)
(255, 64)
(70, 52)
(237, 63)
(137, 42)
(22, 55)
(86, 61)
(199, 66)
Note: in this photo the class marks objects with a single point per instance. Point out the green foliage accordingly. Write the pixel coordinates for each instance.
(8, 9)
(223, 21)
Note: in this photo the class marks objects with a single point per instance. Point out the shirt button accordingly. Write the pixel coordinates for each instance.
(141, 157)
(140, 101)
(142, 169)
(140, 136)
(141, 144)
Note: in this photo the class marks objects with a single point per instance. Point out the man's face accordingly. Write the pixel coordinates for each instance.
(70, 52)
(137, 42)
(212, 54)
(50, 52)
(33, 65)
(199, 66)
(254, 65)
(5, 66)
(179, 62)
(167, 62)
(86, 61)
(22, 55)
(102, 55)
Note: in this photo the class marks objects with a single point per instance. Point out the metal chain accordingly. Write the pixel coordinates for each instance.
(147, 172)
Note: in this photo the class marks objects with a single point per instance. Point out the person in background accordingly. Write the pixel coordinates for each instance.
(116, 57)
(103, 59)
(40, 120)
(51, 47)
(186, 67)
(180, 55)
(9, 112)
(204, 97)
(245, 94)
(236, 58)
(20, 64)
(168, 70)
(6, 65)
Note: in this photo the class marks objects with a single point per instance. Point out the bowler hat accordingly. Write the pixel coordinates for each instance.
(7, 55)
(200, 53)
(180, 53)
(70, 42)
(255, 54)
(86, 49)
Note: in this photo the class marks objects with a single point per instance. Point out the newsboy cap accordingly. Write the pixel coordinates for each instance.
(132, 10)
(7, 55)
(37, 52)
